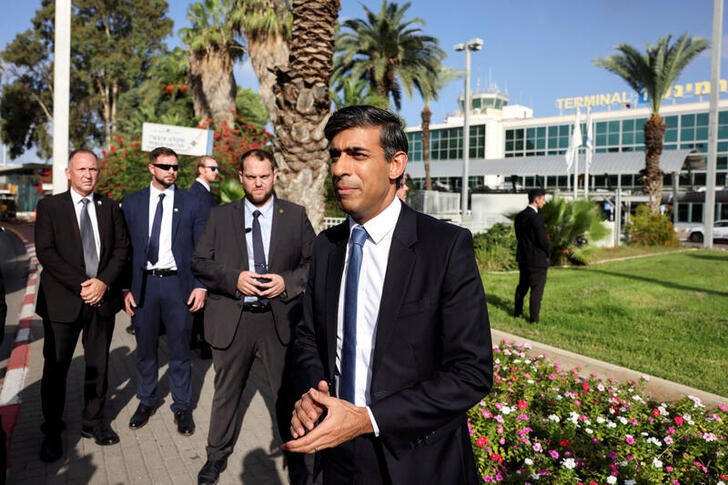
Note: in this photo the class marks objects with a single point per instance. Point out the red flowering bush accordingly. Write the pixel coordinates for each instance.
(541, 424)
(124, 166)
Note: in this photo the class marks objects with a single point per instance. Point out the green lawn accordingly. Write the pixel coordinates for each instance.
(666, 315)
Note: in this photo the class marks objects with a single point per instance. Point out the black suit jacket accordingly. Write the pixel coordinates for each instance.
(204, 196)
(60, 251)
(221, 254)
(432, 358)
(533, 246)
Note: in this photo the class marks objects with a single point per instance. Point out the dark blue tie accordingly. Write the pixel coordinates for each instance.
(347, 380)
(261, 267)
(153, 245)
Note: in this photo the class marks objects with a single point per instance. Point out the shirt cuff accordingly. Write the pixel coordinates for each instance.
(373, 421)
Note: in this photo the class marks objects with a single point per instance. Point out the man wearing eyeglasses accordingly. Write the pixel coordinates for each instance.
(164, 223)
(207, 171)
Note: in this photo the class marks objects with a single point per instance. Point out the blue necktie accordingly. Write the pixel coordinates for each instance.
(347, 380)
(153, 245)
(90, 258)
(261, 267)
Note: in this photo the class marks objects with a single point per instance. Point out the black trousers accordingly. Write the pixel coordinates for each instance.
(356, 462)
(535, 280)
(60, 340)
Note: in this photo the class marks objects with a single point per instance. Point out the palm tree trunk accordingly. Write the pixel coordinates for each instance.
(426, 117)
(302, 106)
(213, 86)
(652, 175)
(266, 56)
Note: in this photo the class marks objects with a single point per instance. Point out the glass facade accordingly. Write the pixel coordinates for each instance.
(447, 143)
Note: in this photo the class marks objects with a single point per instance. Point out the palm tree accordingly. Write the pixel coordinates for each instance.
(443, 77)
(350, 92)
(390, 52)
(266, 25)
(653, 73)
(212, 52)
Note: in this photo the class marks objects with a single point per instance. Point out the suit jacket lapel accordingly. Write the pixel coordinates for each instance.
(72, 221)
(276, 223)
(402, 260)
(176, 212)
(335, 270)
(103, 224)
(239, 230)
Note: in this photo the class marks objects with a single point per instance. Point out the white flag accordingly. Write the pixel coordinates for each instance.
(589, 138)
(574, 142)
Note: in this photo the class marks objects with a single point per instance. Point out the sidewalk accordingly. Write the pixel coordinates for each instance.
(154, 454)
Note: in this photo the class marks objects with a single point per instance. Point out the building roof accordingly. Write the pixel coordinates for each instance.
(611, 163)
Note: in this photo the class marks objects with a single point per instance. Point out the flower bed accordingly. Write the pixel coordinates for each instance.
(541, 424)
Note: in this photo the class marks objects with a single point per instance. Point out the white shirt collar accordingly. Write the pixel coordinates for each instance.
(204, 184)
(76, 197)
(266, 209)
(381, 224)
(533, 207)
(154, 192)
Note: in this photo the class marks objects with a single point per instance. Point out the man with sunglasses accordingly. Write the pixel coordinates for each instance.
(164, 223)
(207, 171)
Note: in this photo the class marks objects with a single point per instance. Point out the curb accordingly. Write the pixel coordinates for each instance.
(655, 387)
(19, 360)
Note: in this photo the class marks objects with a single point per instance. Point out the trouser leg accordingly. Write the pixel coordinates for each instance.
(521, 290)
(96, 339)
(537, 283)
(59, 342)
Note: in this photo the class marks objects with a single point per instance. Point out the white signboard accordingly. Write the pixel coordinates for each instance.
(184, 141)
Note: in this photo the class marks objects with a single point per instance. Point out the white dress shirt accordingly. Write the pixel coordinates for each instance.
(375, 256)
(166, 258)
(265, 219)
(78, 206)
(204, 184)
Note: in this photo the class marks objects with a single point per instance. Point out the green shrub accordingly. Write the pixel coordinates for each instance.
(571, 226)
(648, 229)
(495, 250)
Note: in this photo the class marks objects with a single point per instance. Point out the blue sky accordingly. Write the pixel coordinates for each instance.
(537, 50)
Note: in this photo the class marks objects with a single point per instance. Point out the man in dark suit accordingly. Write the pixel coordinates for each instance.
(164, 224)
(253, 258)
(83, 246)
(207, 171)
(395, 325)
(532, 254)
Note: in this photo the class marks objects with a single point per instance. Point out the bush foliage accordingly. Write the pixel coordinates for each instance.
(495, 250)
(571, 227)
(648, 229)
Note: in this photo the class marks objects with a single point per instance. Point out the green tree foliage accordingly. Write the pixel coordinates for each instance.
(352, 92)
(390, 52)
(571, 227)
(250, 107)
(649, 229)
(652, 73)
(112, 48)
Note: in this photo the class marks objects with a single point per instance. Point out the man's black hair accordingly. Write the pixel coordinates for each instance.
(392, 138)
(533, 193)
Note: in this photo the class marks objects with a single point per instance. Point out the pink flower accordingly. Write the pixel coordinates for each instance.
(521, 417)
(481, 441)
(668, 468)
(723, 407)
(633, 421)
(679, 420)
(554, 454)
(537, 448)
(522, 404)
(629, 439)
(613, 455)
(670, 430)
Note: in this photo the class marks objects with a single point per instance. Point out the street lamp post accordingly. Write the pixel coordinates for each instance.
(471, 45)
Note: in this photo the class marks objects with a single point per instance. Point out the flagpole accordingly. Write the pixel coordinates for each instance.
(576, 172)
(589, 152)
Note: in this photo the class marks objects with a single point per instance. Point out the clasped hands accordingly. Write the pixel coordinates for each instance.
(92, 291)
(271, 286)
(343, 422)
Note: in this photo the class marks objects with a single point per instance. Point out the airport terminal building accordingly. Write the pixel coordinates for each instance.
(510, 149)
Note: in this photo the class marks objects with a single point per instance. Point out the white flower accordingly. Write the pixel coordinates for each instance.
(535, 476)
(611, 479)
(630, 482)
(637, 397)
(697, 403)
(623, 420)
(601, 387)
(600, 419)
(528, 461)
(588, 431)
(497, 361)
(530, 381)
(654, 441)
(569, 463)
(527, 361)
(623, 464)
(554, 418)
(611, 424)
(656, 463)
(506, 410)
